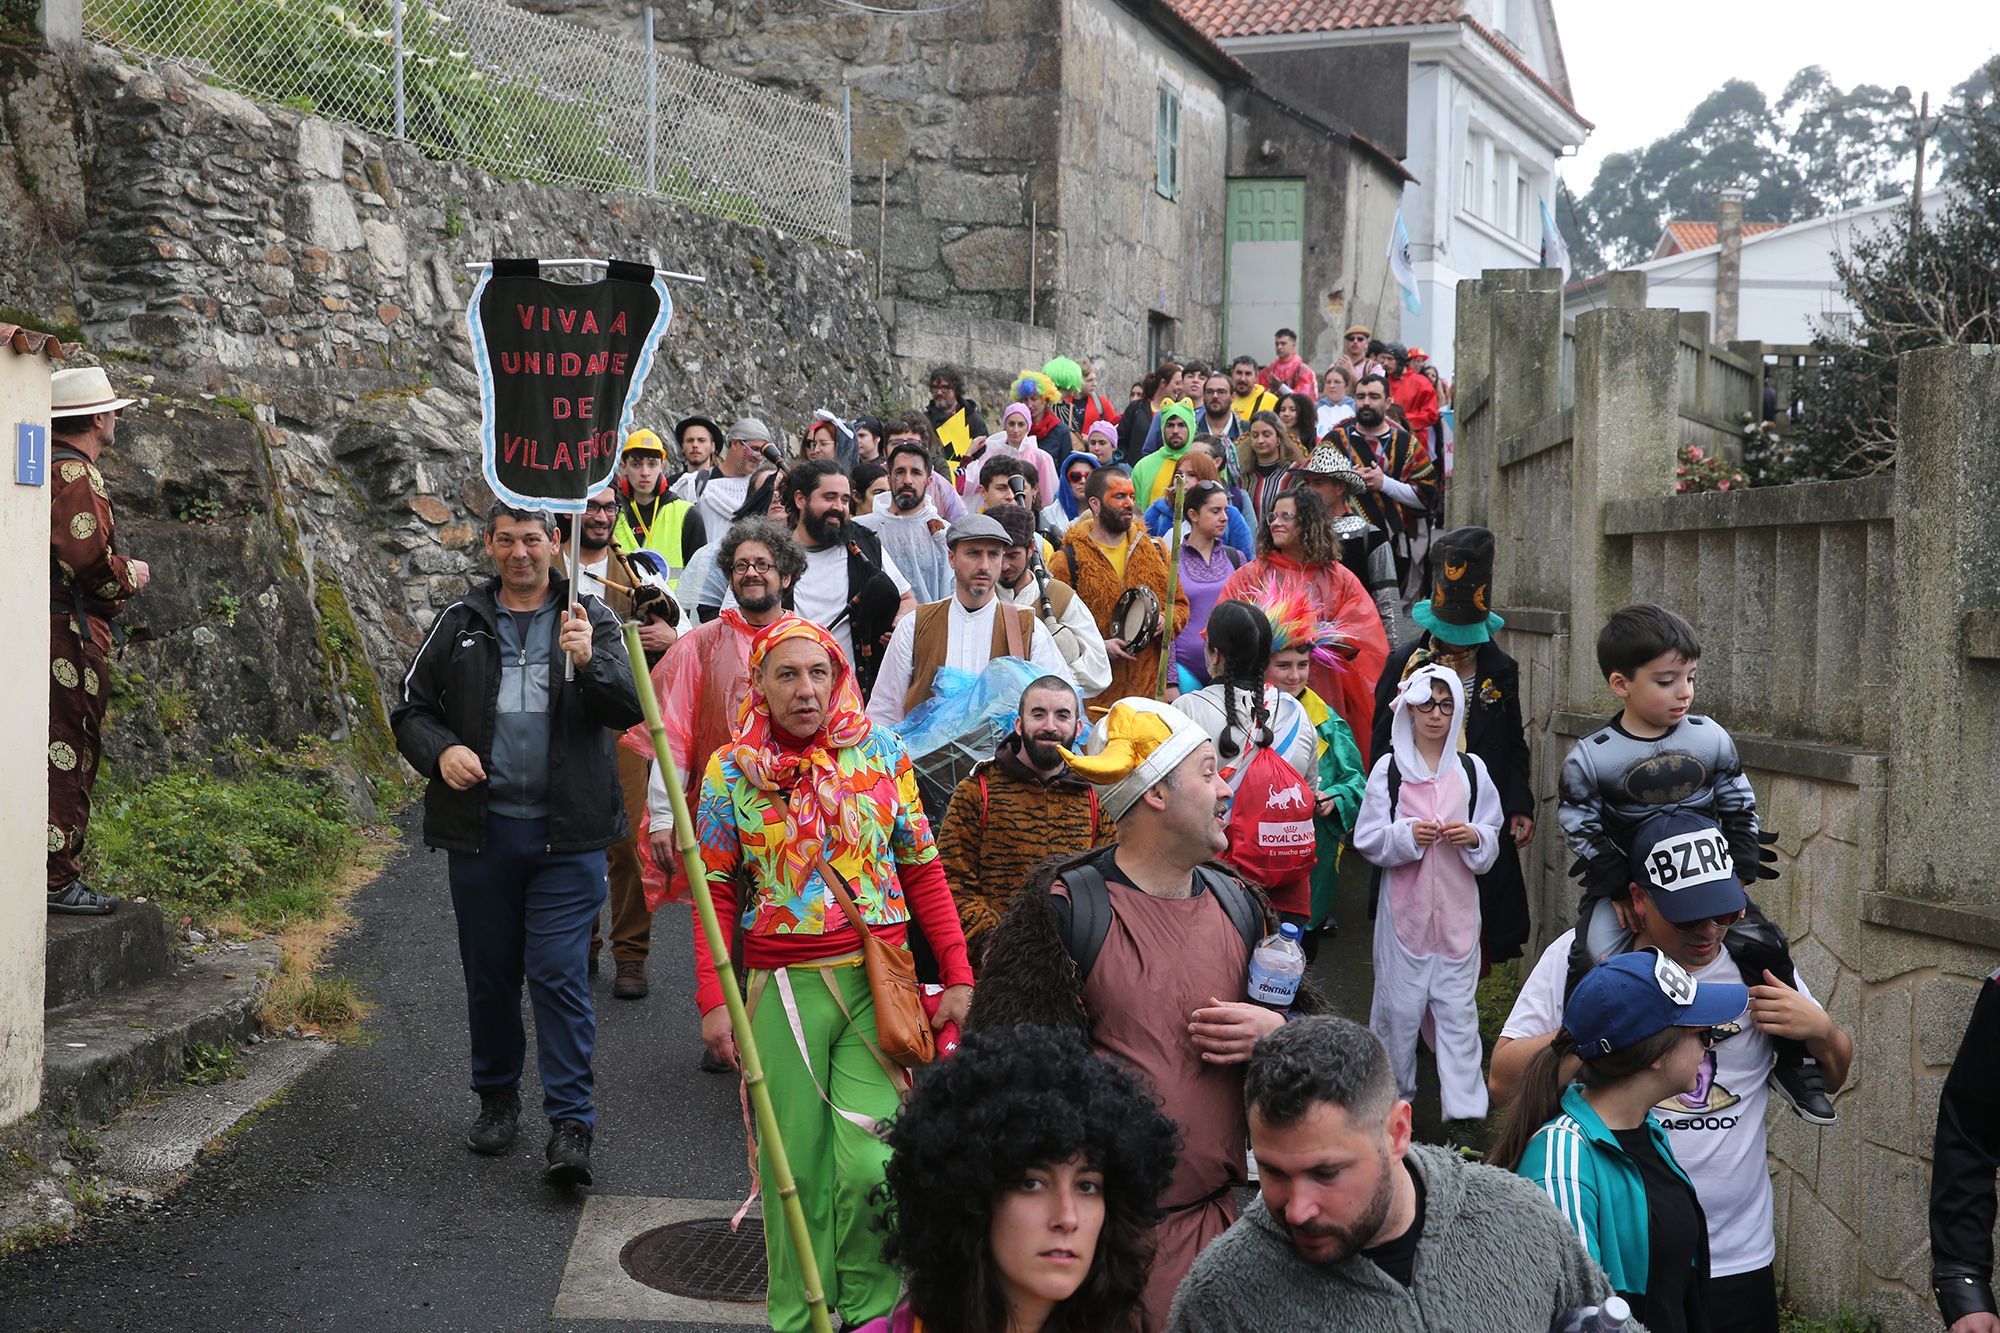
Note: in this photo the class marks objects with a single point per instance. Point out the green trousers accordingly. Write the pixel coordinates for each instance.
(835, 1162)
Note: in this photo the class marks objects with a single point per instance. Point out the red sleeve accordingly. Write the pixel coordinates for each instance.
(929, 897)
(707, 985)
(1422, 409)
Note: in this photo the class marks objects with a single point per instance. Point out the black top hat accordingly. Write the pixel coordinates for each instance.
(1458, 611)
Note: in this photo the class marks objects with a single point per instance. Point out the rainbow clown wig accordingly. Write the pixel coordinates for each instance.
(1031, 386)
(1294, 623)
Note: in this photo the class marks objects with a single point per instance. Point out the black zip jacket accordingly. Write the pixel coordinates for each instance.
(1963, 1158)
(450, 697)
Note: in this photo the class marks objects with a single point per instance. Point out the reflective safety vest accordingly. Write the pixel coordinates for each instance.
(663, 536)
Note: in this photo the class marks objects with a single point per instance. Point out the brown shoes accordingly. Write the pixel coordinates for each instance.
(631, 982)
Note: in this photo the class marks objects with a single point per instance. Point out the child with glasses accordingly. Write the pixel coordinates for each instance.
(1658, 755)
(1431, 820)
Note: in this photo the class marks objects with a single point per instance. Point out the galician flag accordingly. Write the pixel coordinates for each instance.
(1399, 264)
(1554, 253)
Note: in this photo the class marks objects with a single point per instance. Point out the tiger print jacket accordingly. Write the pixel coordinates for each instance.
(991, 839)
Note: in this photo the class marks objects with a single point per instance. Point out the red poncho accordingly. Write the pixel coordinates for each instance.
(1348, 689)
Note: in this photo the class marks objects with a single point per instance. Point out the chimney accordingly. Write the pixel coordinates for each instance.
(1728, 262)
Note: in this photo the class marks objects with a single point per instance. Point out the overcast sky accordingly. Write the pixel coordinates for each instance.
(1637, 70)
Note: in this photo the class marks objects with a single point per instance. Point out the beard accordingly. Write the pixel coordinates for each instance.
(824, 528)
(759, 603)
(1041, 752)
(1112, 523)
(1355, 1237)
(907, 498)
(1370, 416)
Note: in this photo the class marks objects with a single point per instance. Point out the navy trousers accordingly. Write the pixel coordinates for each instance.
(526, 913)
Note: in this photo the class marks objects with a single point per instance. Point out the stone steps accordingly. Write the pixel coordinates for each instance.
(100, 1050)
(92, 955)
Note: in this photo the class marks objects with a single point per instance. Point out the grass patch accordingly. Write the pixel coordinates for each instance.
(1844, 1320)
(1495, 998)
(303, 994)
(205, 1065)
(265, 850)
(28, 319)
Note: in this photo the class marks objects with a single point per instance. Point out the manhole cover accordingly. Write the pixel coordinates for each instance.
(702, 1259)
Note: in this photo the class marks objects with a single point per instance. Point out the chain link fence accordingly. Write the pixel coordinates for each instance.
(517, 93)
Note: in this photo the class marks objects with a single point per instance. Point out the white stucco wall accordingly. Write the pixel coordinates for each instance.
(24, 745)
(1789, 287)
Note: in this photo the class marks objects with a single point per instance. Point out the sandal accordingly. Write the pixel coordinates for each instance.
(79, 899)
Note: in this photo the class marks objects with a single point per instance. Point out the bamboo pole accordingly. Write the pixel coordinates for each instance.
(718, 949)
(1167, 635)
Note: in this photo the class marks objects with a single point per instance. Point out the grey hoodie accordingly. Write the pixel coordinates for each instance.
(1495, 1257)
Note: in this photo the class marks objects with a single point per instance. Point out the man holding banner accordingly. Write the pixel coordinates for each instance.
(488, 717)
(513, 704)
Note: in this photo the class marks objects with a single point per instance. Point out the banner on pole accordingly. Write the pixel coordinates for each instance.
(1554, 253)
(1400, 266)
(561, 366)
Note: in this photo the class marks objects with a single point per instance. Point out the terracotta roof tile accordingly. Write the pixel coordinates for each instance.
(1250, 18)
(29, 342)
(1684, 234)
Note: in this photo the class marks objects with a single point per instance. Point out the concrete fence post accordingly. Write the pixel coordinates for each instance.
(62, 22)
(1627, 431)
(1525, 333)
(1476, 467)
(1947, 770)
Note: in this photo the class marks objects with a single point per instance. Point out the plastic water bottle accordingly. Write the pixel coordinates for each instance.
(1614, 1316)
(1276, 967)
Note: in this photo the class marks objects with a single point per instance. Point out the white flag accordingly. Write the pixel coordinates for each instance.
(1554, 253)
(1400, 266)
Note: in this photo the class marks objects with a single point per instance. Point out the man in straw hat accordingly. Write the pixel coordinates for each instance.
(1167, 950)
(88, 584)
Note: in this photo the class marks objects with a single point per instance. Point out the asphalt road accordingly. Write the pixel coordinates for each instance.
(353, 1205)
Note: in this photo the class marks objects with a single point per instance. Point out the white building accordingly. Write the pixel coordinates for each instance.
(1488, 114)
(1788, 290)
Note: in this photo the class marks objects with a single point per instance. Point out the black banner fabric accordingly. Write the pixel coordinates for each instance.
(560, 370)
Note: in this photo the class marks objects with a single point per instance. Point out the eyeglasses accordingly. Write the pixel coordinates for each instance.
(939, 384)
(1433, 705)
(1079, 476)
(595, 507)
(753, 566)
(1357, 337)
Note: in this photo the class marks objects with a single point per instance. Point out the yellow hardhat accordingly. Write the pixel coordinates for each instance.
(644, 441)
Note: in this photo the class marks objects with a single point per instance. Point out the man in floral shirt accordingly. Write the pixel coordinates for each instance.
(88, 584)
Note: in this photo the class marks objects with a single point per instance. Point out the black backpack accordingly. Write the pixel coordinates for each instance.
(1084, 919)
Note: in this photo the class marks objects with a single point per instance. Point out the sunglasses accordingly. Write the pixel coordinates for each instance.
(1723, 922)
(1714, 1036)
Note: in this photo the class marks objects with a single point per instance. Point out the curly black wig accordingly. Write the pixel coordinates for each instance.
(1010, 1100)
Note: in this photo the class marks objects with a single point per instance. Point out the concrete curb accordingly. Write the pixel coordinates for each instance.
(97, 1052)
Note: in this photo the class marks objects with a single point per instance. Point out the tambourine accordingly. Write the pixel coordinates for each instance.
(1136, 619)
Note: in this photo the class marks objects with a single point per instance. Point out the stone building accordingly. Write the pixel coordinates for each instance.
(1043, 176)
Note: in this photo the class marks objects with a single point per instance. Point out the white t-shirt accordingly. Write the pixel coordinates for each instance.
(1717, 1131)
(821, 592)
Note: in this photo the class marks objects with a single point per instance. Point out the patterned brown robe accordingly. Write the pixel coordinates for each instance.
(89, 584)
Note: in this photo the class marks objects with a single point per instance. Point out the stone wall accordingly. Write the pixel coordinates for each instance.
(1849, 633)
(290, 294)
(1125, 250)
(997, 123)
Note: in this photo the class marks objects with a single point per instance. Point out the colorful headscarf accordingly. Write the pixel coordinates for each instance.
(1071, 506)
(1294, 623)
(815, 811)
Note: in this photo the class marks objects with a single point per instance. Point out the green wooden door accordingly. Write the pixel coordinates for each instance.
(1264, 272)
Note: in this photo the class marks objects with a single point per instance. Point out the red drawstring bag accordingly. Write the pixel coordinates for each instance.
(1271, 821)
